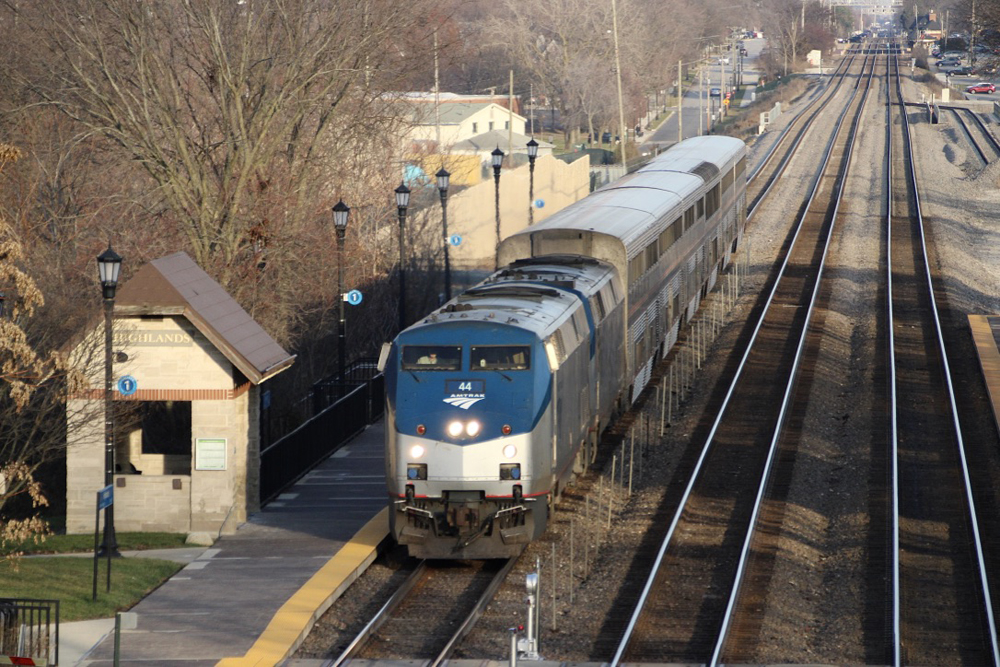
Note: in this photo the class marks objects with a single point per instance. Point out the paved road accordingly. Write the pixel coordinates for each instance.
(696, 108)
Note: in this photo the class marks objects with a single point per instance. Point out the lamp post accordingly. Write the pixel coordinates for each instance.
(442, 178)
(497, 162)
(109, 264)
(532, 154)
(402, 202)
(340, 213)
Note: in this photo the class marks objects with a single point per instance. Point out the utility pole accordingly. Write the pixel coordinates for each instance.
(701, 94)
(618, 74)
(972, 36)
(437, 95)
(510, 121)
(680, 104)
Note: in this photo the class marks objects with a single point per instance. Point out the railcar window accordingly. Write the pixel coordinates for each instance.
(500, 357)
(712, 199)
(689, 218)
(701, 208)
(597, 303)
(741, 166)
(432, 357)
(670, 234)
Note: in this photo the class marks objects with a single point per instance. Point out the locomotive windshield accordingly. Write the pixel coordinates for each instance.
(500, 358)
(432, 357)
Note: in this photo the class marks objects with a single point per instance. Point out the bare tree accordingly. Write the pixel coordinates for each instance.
(784, 20)
(34, 382)
(242, 121)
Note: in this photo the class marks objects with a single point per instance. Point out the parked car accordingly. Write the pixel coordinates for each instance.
(961, 70)
(981, 87)
(715, 92)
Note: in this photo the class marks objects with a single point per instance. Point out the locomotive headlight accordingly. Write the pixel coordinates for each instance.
(421, 429)
(416, 451)
(455, 429)
(472, 429)
(510, 451)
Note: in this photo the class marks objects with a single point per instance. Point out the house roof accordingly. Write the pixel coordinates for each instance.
(452, 113)
(493, 138)
(175, 285)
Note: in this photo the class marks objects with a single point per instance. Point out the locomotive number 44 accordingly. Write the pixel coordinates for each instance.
(465, 386)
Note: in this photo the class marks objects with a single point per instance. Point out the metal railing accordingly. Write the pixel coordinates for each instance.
(30, 629)
(287, 460)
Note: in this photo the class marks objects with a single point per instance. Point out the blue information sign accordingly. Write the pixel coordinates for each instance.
(127, 385)
(105, 497)
(539, 203)
(455, 240)
(354, 297)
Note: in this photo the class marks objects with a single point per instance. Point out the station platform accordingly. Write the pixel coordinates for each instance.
(252, 597)
(986, 335)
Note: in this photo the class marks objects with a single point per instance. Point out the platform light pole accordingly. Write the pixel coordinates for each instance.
(442, 182)
(109, 264)
(532, 154)
(402, 203)
(341, 211)
(497, 163)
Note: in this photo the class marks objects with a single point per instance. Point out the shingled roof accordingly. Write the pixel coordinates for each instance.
(175, 285)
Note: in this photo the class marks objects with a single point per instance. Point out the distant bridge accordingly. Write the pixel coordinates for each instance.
(869, 6)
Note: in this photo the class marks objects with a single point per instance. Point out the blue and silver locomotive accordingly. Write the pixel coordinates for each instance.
(497, 398)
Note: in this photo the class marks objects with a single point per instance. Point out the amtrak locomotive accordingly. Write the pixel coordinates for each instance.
(496, 399)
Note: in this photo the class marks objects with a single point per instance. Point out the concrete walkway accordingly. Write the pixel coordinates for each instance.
(239, 591)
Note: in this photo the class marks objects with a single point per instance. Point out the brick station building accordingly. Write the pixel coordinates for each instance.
(191, 360)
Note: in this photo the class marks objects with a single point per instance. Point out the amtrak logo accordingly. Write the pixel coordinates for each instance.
(464, 401)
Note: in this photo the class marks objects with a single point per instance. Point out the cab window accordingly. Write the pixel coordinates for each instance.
(432, 357)
(500, 357)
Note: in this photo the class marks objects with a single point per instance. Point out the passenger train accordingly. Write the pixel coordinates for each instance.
(496, 399)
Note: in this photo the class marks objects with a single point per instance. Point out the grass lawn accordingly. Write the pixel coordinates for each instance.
(70, 579)
(64, 544)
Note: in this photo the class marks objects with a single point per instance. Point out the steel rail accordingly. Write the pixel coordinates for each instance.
(979, 121)
(826, 96)
(378, 619)
(623, 643)
(893, 418)
(968, 134)
(843, 65)
(953, 404)
(838, 192)
(476, 613)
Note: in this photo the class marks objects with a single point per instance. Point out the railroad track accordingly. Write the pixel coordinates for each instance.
(692, 595)
(430, 613)
(942, 610)
(980, 138)
(769, 169)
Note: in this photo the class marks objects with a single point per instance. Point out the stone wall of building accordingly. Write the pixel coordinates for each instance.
(170, 361)
(472, 212)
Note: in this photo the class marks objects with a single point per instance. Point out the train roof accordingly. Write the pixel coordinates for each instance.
(628, 207)
(529, 294)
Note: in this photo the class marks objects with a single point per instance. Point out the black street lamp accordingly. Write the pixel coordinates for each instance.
(340, 213)
(402, 202)
(109, 264)
(532, 154)
(442, 179)
(497, 162)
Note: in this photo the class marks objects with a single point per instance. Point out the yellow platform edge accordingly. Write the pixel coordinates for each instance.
(290, 625)
(989, 359)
